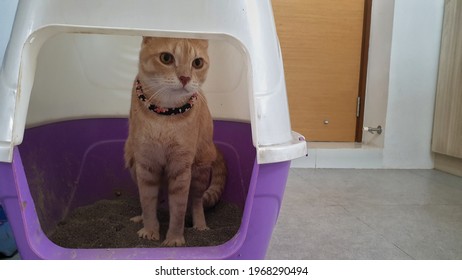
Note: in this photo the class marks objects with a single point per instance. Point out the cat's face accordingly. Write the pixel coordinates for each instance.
(173, 69)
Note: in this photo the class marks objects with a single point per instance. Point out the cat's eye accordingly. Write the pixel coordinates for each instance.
(166, 58)
(198, 63)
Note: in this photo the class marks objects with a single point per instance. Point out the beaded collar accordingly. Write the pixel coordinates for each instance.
(161, 110)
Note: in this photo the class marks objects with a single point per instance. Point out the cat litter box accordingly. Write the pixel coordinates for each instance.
(65, 90)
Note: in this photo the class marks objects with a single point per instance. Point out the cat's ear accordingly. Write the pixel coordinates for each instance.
(146, 40)
(203, 43)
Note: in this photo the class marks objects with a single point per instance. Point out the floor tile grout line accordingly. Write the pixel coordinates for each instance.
(377, 232)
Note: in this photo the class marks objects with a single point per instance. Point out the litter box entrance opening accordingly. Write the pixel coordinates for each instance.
(78, 163)
(73, 146)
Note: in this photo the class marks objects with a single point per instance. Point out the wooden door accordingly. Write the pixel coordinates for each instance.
(321, 42)
(447, 123)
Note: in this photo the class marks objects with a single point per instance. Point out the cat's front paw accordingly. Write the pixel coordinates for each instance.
(201, 228)
(174, 242)
(148, 234)
(137, 219)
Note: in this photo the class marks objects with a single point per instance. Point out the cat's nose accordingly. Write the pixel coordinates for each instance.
(184, 80)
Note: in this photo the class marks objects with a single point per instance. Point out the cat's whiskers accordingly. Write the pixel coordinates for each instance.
(157, 94)
(201, 97)
(163, 98)
(167, 92)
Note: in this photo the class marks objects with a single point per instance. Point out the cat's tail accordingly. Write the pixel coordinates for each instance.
(217, 183)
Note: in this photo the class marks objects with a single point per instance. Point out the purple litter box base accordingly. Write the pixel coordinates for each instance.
(65, 165)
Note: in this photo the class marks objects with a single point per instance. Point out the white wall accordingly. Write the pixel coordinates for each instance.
(412, 89)
(402, 75)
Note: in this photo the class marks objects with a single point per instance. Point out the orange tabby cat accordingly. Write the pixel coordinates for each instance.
(170, 136)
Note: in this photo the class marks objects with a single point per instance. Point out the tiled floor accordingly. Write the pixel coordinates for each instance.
(369, 214)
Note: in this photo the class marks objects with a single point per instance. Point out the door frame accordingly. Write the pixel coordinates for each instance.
(363, 69)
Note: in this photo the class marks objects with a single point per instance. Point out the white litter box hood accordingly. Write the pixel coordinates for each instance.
(90, 47)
